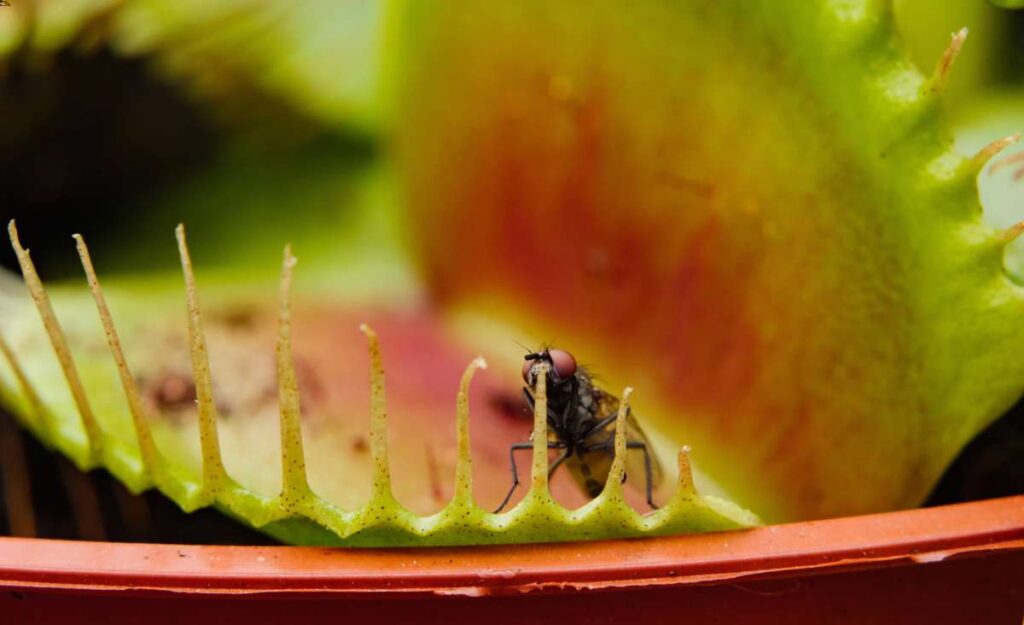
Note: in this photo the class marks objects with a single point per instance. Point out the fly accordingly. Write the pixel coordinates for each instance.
(581, 424)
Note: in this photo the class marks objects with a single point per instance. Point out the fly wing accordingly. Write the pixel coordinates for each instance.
(608, 405)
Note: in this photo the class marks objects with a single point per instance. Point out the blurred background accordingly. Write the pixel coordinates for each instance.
(257, 122)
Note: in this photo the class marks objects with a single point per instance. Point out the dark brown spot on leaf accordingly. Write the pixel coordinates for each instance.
(171, 392)
(359, 444)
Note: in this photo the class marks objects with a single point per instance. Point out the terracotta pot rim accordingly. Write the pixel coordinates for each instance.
(889, 539)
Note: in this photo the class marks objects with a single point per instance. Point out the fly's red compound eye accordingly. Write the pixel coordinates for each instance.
(563, 363)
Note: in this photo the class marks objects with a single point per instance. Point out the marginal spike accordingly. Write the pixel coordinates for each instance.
(214, 474)
(151, 459)
(464, 464)
(986, 153)
(940, 76)
(40, 418)
(1011, 233)
(60, 347)
(613, 486)
(295, 486)
(539, 473)
(686, 485)
(378, 421)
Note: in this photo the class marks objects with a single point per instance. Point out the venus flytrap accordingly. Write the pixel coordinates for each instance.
(750, 211)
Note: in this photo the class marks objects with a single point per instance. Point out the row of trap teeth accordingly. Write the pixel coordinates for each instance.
(298, 514)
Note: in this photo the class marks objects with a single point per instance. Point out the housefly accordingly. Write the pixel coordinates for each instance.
(581, 425)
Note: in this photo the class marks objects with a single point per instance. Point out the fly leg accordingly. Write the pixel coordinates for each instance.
(609, 446)
(647, 469)
(515, 472)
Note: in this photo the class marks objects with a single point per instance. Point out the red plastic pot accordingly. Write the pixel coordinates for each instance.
(954, 564)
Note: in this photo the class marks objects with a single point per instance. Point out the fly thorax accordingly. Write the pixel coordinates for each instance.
(586, 400)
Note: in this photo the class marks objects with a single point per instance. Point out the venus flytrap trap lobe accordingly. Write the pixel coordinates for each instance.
(778, 202)
(298, 514)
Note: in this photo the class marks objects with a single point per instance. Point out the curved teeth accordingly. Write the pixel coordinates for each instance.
(986, 153)
(152, 462)
(214, 473)
(93, 455)
(940, 77)
(464, 462)
(1012, 232)
(294, 485)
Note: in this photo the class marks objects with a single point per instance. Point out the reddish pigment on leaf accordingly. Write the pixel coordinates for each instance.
(728, 211)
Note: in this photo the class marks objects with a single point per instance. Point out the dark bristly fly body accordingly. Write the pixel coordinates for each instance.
(581, 423)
